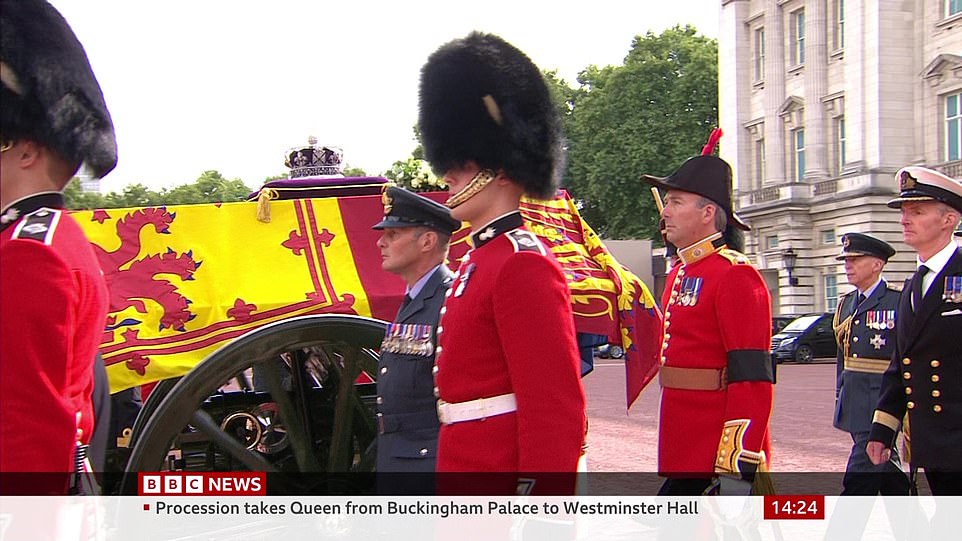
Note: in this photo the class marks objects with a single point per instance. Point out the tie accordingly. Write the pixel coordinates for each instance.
(858, 302)
(917, 288)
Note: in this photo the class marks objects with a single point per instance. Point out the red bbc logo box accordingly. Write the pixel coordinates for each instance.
(202, 484)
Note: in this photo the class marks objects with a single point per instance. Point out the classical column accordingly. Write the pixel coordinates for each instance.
(816, 85)
(774, 93)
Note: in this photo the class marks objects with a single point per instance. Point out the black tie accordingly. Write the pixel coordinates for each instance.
(858, 302)
(917, 288)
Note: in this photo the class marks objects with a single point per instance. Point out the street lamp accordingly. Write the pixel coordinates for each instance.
(789, 257)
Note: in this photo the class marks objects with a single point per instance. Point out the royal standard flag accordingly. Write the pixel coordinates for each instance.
(185, 280)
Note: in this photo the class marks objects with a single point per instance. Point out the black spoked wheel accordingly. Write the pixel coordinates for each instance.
(309, 406)
(804, 354)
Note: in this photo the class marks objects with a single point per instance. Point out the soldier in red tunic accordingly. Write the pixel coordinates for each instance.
(54, 299)
(507, 368)
(716, 374)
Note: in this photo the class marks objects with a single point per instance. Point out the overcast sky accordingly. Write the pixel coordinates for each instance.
(232, 84)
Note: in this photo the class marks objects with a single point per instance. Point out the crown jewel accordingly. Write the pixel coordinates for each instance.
(314, 160)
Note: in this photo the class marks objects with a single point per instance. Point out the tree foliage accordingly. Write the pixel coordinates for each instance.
(644, 117)
(210, 187)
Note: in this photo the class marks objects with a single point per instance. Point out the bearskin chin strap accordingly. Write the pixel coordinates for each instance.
(480, 180)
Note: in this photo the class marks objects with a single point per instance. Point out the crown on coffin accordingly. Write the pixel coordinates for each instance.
(314, 160)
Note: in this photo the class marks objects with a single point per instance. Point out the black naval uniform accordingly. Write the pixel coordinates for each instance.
(865, 333)
(407, 408)
(924, 378)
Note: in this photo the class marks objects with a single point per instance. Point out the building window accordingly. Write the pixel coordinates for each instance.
(838, 34)
(831, 293)
(798, 155)
(839, 145)
(759, 162)
(771, 242)
(760, 54)
(828, 237)
(953, 7)
(953, 127)
(798, 37)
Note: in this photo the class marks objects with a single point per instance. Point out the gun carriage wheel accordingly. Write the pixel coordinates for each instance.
(306, 410)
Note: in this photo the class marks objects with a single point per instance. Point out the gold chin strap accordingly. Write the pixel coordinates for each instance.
(6, 145)
(480, 180)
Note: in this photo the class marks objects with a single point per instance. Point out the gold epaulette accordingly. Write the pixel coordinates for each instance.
(734, 256)
(894, 287)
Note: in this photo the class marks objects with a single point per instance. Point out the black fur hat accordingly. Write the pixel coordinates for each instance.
(50, 95)
(482, 99)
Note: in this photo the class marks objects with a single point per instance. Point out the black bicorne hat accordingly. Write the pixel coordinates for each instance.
(49, 93)
(408, 209)
(858, 244)
(482, 99)
(708, 176)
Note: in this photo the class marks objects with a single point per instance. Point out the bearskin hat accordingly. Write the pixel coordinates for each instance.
(482, 99)
(50, 95)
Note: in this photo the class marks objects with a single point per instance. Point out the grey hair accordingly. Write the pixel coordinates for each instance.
(721, 217)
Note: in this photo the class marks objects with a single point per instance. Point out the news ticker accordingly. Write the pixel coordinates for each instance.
(776, 507)
(183, 514)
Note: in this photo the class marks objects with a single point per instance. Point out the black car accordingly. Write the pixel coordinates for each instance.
(807, 337)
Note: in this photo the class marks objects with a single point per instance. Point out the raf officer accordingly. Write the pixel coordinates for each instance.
(865, 332)
(922, 379)
(413, 245)
(54, 298)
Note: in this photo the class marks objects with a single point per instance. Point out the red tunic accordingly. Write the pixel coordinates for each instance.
(717, 316)
(53, 311)
(507, 327)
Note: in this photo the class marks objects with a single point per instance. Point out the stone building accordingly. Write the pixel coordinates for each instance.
(821, 102)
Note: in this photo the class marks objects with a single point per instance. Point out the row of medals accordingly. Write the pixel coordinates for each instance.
(408, 339)
(880, 319)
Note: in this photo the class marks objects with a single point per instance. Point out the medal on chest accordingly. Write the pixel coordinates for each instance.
(690, 288)
(408, 339)
(953, 289)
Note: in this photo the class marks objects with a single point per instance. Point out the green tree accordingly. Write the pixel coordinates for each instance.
(354, 172)
(210, 187)
(77, 199)
(646, 116)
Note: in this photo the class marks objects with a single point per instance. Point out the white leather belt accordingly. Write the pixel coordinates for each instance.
(459, 412)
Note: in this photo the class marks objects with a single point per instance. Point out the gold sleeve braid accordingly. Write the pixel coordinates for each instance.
(731, 449)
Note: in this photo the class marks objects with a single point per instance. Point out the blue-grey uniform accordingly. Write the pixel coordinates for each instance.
(865, 332)
(407, 408)
(407, 415)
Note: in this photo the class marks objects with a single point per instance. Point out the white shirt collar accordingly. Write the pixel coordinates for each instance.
(940, 259)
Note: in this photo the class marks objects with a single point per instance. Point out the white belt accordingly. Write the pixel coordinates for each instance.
(472, 410)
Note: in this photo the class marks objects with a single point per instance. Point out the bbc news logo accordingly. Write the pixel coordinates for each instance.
(203, 484)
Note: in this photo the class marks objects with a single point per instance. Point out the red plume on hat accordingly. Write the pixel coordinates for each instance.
(708, 176)
(709, 147)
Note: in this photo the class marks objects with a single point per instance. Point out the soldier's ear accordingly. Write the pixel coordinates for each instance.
(429, 240)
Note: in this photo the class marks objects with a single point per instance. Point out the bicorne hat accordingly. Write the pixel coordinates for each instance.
(707, 176)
